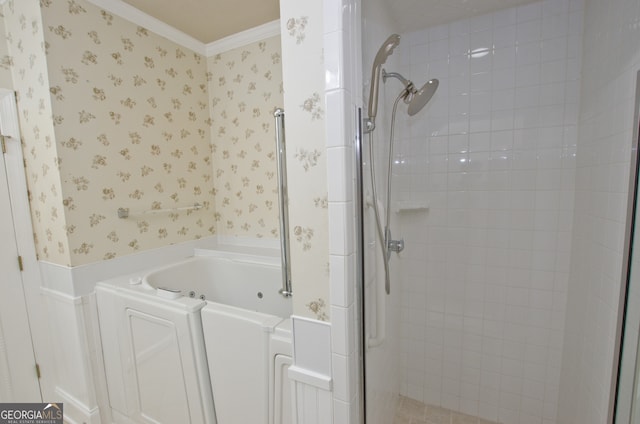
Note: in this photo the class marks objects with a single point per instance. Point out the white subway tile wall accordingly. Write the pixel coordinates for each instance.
(611, 62)
(383, 368)
(486, 267)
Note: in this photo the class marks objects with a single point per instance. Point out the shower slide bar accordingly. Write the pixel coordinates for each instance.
(364, 205)
(380, 292)
(126, 213)
(283, 196)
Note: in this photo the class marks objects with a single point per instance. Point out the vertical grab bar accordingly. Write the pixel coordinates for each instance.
(283, 196)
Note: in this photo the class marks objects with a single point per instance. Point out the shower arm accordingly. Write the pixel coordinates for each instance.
(409, 88)
(406, 82)
(406, 94)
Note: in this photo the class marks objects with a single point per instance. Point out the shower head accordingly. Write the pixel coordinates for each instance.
(385, 50)
(421, 97)
(416, 99)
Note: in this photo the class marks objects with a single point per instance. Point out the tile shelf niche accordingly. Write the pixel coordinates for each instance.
(402, 206)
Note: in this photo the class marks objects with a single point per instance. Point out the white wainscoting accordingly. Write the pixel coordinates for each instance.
(71, 362)
(76, 359)
(313, 405)
(310, 373)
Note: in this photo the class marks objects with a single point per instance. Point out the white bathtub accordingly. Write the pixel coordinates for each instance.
(207, 331)
(245, 281)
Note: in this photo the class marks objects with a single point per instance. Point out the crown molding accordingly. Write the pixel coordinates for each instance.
(253, 35)
(138, 17)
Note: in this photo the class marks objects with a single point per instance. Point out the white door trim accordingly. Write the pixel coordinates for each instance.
(16, 178)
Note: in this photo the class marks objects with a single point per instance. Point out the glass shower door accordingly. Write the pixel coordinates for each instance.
(627, 403)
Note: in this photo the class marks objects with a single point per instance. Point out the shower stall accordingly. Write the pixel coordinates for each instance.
(494, 210)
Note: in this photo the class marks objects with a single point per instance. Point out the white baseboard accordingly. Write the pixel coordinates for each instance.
(76, 412)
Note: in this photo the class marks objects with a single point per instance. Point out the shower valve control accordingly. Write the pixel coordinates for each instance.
(396, 246)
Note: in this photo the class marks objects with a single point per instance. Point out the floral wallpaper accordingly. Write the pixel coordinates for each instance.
(302, 44)
(27, 61)
(130, 118)
(6, 80)
(245, 87)
(114, 116)
(132, 128)
(140, 123)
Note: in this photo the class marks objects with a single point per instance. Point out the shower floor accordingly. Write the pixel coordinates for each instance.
(414, 412)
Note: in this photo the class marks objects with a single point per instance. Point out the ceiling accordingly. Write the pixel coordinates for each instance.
(211, 20)
(413, 15)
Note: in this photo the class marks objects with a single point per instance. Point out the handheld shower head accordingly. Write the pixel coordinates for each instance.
(385, 50)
